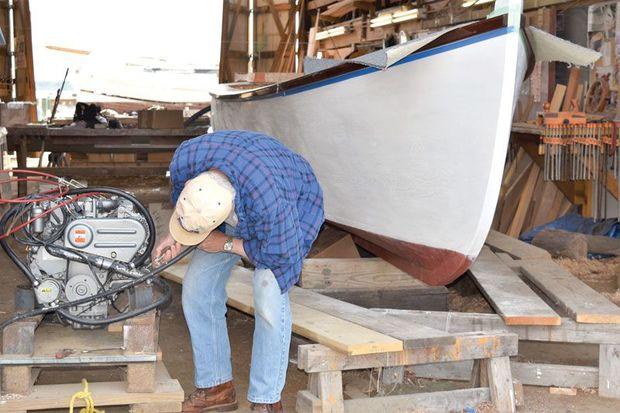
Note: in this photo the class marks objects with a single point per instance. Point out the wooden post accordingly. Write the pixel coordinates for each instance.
(140, 335)
(500, 384)
(392, 375)
(609, 371)
(327, 387)
(18, 339)
(24, 65)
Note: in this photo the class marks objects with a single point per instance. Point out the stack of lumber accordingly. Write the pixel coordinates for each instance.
(526, 287)
(526, 200)
(342, 326)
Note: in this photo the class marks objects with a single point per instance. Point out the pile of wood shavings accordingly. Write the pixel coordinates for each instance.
(601, 275)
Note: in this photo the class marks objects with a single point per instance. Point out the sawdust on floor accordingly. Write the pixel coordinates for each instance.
(602, 275)
(468, 303)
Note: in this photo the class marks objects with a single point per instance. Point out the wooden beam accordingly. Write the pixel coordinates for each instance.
(525, 201)
(433, 402)
(411, 336)
(430, 298)
(276, 19)
(315, 4)
(508, 294)
(571, 89)
(530, 374)
(24, 64)
(609, 371)
(339, 334)
(558, 98)
(314, 358)
(336, 333)
(579, 300)
(568, 332)
(514, 247)
(354, 273)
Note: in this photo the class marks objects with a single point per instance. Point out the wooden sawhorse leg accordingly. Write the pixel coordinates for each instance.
(609, 371)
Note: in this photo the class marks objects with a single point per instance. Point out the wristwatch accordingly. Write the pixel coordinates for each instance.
(228, 245)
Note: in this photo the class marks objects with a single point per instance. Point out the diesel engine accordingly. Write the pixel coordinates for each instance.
(110, 228)
(86, 253)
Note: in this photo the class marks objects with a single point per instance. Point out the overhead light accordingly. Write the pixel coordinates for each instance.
(333, 32)
(470, 3)
(395, 17)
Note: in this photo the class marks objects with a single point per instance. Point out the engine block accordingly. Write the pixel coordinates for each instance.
(109, 228)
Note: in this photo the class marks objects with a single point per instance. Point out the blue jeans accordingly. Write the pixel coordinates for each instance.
(204, 305)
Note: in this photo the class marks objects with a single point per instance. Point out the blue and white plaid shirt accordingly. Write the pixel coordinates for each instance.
(278, 200)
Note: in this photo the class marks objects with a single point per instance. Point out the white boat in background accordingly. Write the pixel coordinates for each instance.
(408, 143)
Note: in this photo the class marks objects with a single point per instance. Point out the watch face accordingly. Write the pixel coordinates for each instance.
(228, 245)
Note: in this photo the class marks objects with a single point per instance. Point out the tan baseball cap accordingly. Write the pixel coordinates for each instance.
(202, 206)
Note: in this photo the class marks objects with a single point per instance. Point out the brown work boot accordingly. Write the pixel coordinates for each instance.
(221, 398)
(267, 408)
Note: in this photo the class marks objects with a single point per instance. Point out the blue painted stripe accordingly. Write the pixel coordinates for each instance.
(412, 57)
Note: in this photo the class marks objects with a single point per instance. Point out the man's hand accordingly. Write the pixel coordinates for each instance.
(214, 242)
(166, 250)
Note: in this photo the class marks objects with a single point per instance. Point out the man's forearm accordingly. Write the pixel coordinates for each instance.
(238, 248)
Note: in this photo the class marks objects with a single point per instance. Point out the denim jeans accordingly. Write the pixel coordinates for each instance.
(204, 306)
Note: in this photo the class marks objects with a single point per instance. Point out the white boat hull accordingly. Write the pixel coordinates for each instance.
(410, 157)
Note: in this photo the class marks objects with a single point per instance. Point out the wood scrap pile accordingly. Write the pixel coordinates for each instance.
(526, 200)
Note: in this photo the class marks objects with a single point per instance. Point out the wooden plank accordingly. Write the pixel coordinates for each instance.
(411, 335)
(583, 303)
(431, 298)
(323, 328)
(315, 4)
(509, 295)
(525, 200)
(57, 396)
(558, 98)
(354, 273)
(530, 374)
(562, 391)
(316, 325)
(333, 243)
(571, 88)
(568, 332)
(510, 245)
(509, 261)
(316, 357)
(609, 371)
(343, 248)
(307, 402)
(434, 402)
(329, 391)
(320, 327)
(500, 384)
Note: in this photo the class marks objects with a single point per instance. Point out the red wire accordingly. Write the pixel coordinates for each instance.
(47, 212)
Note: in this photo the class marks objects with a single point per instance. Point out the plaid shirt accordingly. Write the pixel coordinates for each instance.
(278, 200)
